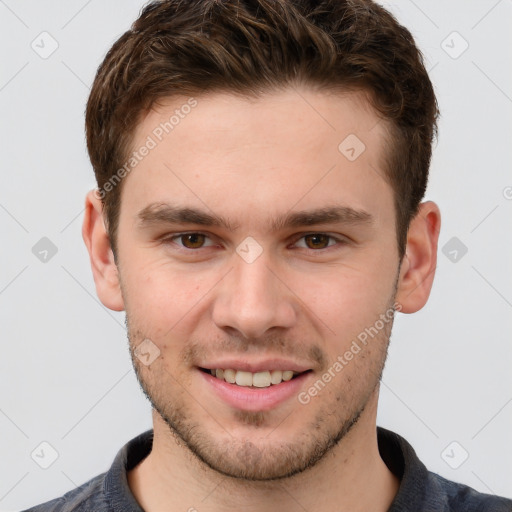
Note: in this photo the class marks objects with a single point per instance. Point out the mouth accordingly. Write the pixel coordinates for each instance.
(259, 380)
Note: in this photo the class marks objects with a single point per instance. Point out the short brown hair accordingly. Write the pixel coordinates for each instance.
(178, 48)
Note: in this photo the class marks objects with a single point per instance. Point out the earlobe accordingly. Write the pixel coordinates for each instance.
(420, 260)
(104, 268)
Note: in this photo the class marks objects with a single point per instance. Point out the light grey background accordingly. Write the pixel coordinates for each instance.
(66, 376)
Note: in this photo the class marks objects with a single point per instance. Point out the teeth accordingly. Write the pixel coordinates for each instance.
(259, 379)
(244, 378)
(230, 376)
(276, 376)
(287, 375)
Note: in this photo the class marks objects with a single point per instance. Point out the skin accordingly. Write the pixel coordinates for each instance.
(304, 299)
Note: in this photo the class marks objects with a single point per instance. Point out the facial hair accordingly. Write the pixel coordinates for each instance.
(250, 457)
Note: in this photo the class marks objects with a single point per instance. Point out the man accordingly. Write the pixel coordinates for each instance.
(258, 216)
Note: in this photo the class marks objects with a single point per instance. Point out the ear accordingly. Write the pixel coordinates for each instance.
(420, 259)
(104, 268)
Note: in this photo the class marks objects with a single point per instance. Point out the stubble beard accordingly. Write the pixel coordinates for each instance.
(253, 458)
(244, 459)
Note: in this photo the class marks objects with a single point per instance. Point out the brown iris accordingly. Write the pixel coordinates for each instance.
(317, 241)
(193, 240)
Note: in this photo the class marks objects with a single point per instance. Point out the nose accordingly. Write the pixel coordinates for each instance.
(253, 298)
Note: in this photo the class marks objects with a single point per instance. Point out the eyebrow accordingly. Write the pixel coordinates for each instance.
(165, 213)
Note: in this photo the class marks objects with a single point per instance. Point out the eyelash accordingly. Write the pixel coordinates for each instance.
(339, 241)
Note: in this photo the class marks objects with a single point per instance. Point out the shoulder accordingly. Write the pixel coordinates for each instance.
(424, 491)
(89, 497)
(107, 491)
(462, 498)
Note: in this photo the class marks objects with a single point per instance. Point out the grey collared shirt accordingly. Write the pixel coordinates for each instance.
(420, 490)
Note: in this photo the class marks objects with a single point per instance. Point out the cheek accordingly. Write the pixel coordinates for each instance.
(160, 298)
(345, 303)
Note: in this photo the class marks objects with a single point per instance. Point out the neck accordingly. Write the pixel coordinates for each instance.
(351, 477)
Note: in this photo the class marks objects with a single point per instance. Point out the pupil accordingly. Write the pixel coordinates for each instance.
(194, 240)
(317, 240)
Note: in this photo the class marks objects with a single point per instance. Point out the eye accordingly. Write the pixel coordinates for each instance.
(195, 240)
(316, 241)
(190, 240)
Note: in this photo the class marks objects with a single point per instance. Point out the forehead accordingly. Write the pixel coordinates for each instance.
(294, 147)
(295, 113)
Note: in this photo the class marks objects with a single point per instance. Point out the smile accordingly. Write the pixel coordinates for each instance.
(262, 379)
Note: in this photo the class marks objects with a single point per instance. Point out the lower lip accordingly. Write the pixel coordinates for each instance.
(255, 399)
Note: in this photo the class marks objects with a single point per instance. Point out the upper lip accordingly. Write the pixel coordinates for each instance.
(255, 366)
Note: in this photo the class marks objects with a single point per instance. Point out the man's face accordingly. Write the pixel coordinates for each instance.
(301, 261)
